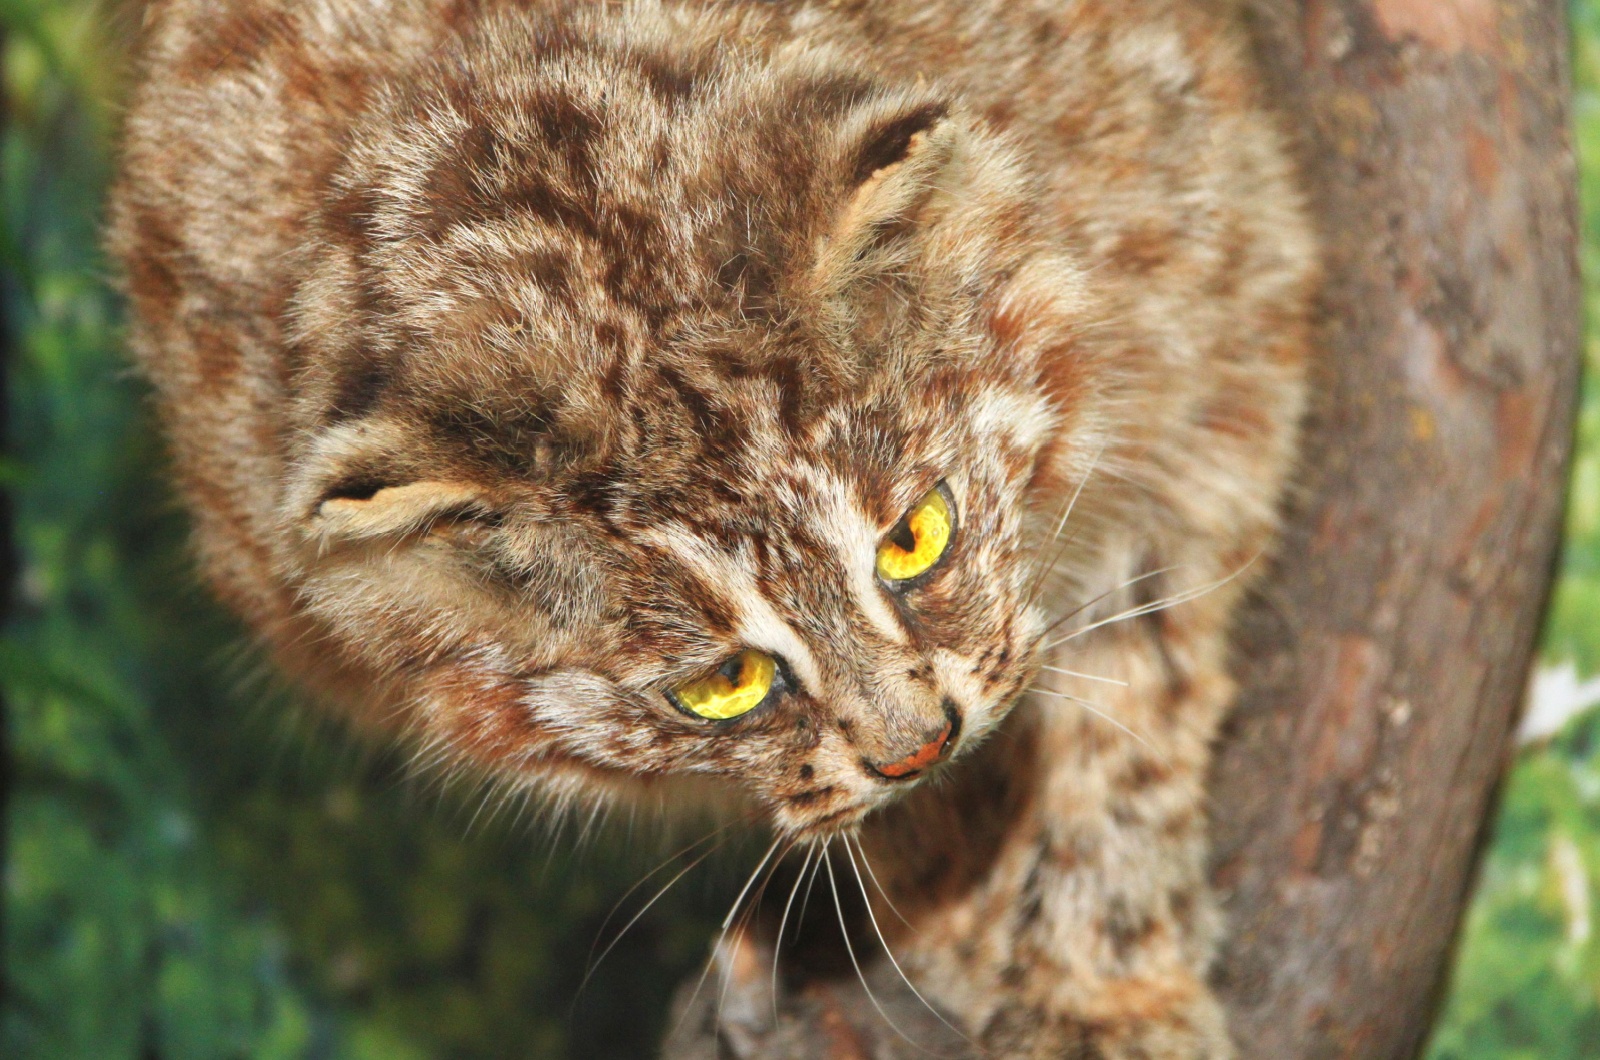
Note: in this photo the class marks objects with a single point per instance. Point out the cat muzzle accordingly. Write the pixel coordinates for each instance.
(930, 753)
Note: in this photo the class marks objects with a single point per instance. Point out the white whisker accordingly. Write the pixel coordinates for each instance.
(1084, 676)
(723, 938)
(750, 883)
(844, 930)
(1061, 524)
(1072, 504)
(783, 923)
(646, 878)
(874, 876)
(871, 916)
(1151, 608)
(729, 969)
(805, 901)
(1095, 709)
(639, 915)
(1081, 608)
(745, 918)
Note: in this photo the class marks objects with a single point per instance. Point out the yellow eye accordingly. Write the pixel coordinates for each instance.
(920, 539)
(737, 687)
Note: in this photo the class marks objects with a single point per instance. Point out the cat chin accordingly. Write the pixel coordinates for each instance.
(687, 802)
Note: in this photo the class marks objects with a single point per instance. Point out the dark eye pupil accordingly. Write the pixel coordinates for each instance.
(902, 538)
(732, 669)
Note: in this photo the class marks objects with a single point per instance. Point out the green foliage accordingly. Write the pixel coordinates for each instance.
(115, 939)
(1573, 632)
(183, 879)
(1528, 982)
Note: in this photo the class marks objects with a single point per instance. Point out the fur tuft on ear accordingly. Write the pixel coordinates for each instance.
(896, 157)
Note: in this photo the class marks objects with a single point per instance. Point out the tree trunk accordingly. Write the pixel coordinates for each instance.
(1385, 667)
(1385, 660)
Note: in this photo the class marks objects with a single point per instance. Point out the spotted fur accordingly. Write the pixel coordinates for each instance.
(521, 361)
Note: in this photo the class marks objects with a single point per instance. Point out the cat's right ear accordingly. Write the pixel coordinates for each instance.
(896, 155)
(359, 482)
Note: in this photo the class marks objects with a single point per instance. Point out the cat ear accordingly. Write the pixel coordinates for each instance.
(896, 158)
(393, 510)
(362, 480)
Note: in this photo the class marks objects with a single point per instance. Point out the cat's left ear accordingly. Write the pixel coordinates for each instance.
(367, 479)
(897, 156)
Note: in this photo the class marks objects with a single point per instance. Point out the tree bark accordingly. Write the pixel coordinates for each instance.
(1386, 664)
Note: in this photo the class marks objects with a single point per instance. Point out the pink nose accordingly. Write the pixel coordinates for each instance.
(921, 759)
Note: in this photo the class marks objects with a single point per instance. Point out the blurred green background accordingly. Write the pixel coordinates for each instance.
(193, 873)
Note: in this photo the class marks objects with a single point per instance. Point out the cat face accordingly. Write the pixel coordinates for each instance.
(680, 414)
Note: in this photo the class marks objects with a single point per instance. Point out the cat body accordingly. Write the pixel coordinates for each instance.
(523, 363)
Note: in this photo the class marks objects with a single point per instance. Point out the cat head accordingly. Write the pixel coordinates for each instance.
(667, 406)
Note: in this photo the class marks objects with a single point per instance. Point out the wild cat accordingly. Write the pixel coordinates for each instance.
(763, 407)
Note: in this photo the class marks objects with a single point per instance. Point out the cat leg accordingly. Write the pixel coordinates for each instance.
(1055, 890)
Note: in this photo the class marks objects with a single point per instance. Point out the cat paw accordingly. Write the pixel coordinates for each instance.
(737, 1015)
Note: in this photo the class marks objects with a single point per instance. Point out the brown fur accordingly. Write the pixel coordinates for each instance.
(523, 360)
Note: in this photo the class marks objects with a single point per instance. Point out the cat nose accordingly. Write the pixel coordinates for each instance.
(930, 752)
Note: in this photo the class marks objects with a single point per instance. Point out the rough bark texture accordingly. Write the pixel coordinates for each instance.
(1385, 660)
(1385, 668)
